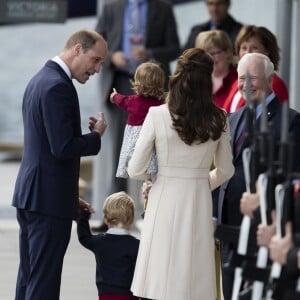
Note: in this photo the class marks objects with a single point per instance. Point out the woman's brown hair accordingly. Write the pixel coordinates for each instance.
(264, 36)
(195, 117)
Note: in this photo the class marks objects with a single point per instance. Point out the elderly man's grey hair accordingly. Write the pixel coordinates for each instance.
(251, 57)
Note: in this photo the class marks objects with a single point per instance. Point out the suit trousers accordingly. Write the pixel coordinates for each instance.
(227, 277)
(43, 243)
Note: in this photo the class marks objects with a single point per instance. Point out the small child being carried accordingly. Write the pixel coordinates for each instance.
(116, 250)
(149, 83)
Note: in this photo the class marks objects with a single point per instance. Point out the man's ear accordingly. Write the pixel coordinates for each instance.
(77, 49)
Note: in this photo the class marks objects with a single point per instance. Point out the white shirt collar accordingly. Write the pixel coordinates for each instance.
(120, 231)
(63, 65)
(259, 107)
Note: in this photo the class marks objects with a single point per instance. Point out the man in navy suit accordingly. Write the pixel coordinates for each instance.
(46, 191)
(220, 18)
(261, 71)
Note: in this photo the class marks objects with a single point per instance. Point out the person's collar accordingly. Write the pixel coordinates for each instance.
(221, 24)
(269, 99)
(119, 231)
(63, 65)
(139, 1)
(212, 25)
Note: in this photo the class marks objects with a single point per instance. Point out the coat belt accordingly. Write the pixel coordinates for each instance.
(179, 172)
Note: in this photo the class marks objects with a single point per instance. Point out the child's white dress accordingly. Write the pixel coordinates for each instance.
(137, 107)
(130, 137)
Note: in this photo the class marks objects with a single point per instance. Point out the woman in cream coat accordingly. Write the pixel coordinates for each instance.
(176, 254)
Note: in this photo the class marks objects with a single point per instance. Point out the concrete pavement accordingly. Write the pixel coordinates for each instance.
(78, 277)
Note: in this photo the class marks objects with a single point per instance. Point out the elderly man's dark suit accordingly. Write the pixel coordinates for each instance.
(231, 191)
(161, 39)
(46, 191)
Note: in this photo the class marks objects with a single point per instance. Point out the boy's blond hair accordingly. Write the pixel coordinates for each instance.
(119, 208)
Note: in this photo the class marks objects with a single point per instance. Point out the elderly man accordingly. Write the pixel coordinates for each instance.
(261, 71)
(219, 19)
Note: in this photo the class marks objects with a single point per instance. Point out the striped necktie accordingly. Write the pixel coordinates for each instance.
(135, 17)
(240, 139)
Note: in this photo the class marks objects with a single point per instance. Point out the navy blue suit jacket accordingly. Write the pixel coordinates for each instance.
(231, 191)
(229, 25)
(115, 257)
(47, 182)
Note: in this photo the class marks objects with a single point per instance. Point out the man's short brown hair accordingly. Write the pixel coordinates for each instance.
(87, 38)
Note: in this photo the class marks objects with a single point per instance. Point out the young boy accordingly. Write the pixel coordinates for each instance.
(116, 250)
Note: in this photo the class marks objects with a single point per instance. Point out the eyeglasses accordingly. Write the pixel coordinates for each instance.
(216, 53)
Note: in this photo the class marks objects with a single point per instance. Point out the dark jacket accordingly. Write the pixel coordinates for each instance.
(47, 182)
(230, 192)
(229, 25)
(115, 257)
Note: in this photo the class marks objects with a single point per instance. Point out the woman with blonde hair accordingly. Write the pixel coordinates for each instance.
(217, 43)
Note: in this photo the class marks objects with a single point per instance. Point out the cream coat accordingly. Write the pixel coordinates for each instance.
(176, 254)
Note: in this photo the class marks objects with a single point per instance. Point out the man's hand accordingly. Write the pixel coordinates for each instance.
(99, 125)
(139, 53)
(266, 232)
(249, 203)
(119, 60)
(83, 205)
(279, 247)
